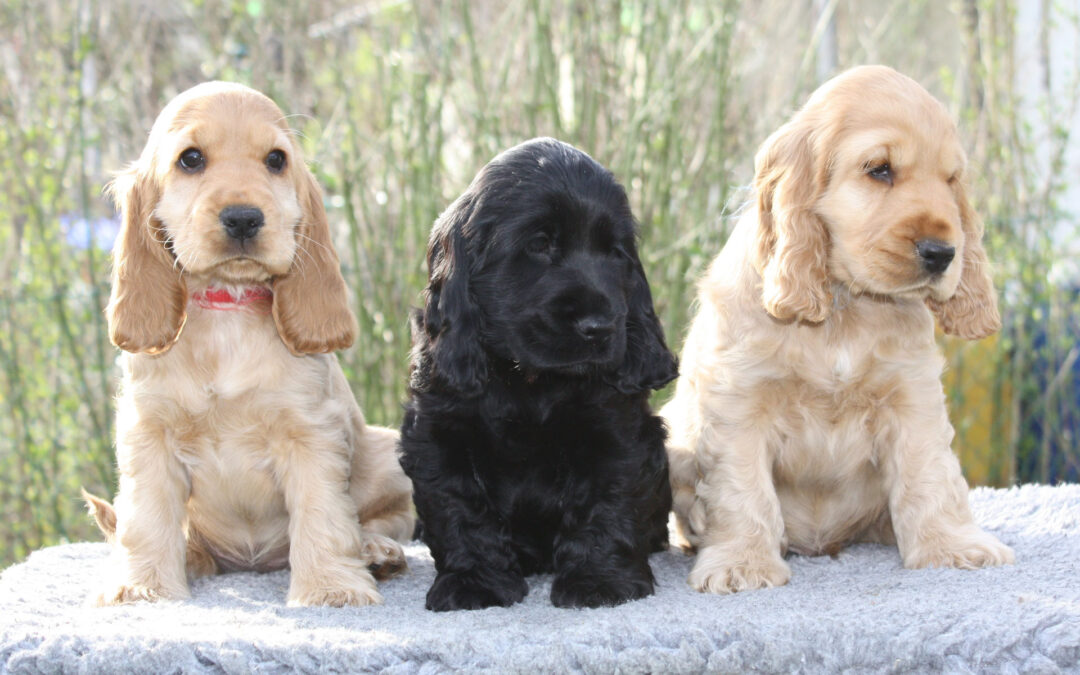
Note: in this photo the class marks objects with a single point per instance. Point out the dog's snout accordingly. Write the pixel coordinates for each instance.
(241, 222)
(935, 255)
(594, 328)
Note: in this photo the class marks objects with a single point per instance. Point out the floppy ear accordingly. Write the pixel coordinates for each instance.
(311, 303)
(148, 304)
(648, 363)
(793, 244)
(972, 311)
(451, 318)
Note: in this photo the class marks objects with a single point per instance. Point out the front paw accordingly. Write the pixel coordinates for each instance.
(125, 593)
(384, 556)
(717, 572)
(475, 589)
(968, 550)
(592, 590)
(338, 584)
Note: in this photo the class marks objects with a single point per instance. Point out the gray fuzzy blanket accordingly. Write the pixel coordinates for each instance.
(861, 611)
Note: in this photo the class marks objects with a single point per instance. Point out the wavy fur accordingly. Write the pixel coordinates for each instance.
(810, 413)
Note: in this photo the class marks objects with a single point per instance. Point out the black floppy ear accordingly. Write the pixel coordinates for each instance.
(648, 363)
(452, 321)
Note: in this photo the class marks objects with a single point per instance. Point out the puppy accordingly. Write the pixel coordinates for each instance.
(528, 436)
(810, 413)
(239, 443)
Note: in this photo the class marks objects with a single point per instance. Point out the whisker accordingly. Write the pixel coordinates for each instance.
(322, 246)
(296, 132)
(300, 262)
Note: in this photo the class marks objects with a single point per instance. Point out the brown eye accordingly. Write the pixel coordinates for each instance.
(191, 160)
(275, 161)
(882, 173)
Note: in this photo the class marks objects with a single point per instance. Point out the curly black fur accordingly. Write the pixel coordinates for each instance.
(528, 436)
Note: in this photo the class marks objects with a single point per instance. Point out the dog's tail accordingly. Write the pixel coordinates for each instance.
(104, 514)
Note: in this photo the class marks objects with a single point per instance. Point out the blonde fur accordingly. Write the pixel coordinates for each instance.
(239, 443)
(810, 412)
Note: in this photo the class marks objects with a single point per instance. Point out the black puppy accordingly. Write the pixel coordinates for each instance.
(528, 437)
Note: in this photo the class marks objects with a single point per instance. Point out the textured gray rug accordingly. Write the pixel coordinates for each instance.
(858, 612)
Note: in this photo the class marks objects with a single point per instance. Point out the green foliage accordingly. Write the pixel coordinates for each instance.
(398, 104)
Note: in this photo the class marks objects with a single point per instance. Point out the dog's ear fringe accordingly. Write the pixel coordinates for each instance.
(148, 303)
(451, 319)
(972, 312)
(792, 245)
(648, 363)
(311, 301)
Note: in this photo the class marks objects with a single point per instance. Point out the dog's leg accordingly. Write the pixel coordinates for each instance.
(474, 555)
(383, 494)
(740, 524)
(475, 561)
(148, 556)
(600, 554)
(325, 539)
(384, 524)
(200, 562)
(615, 514)
(928, 501)
(683, 475)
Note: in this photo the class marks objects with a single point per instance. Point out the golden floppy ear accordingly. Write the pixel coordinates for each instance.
(148, 305)
(311, 305)
(793, 244)
(972, 312)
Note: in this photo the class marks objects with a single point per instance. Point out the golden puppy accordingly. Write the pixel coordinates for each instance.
(239, 443)
(810, 412)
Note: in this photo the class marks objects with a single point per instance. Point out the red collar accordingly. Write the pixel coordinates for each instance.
(221, 298)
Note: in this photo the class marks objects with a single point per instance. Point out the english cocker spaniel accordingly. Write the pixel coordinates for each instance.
(810, 412)
(528, 437)
(239, 443)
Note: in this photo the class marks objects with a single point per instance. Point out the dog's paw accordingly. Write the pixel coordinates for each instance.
(971, 550)
(334, 597)
(384, 556)
(126, 593)
(349, 585)
(585, 590)
(475, 589)
(715, 572)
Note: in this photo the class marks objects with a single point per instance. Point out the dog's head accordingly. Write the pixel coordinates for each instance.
(536, 264)
(221, 197)
(865, 187)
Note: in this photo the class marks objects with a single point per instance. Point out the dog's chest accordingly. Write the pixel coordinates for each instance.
(236, 354)
(537, 430)
(832, 411)
(230, 460)
(543, 445)
(226, 396)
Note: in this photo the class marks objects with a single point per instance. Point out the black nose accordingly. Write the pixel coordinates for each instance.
(241, 222)
(934, 255)
(594, 328)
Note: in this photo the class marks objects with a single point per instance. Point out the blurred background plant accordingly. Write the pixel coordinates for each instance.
(399, 103)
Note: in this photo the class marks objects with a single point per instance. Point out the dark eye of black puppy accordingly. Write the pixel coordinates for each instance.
(606, 239)
(541, 246)
(621, 251)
